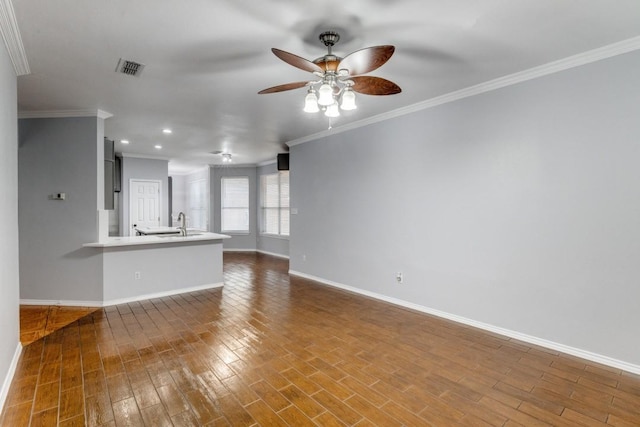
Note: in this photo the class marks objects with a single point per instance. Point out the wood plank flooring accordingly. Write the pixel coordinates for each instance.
(37, 321)
(272, 350)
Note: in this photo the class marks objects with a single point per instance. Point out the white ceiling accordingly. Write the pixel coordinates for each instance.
(205, 61)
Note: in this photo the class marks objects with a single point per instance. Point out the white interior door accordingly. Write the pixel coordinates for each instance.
(144, 204)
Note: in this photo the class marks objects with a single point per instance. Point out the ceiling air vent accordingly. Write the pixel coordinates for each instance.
(129, 67)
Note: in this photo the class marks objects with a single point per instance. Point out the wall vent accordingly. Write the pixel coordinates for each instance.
(130, 68)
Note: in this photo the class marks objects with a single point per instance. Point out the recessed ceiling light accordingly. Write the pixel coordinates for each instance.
(124, 141)
(167, 131)
(158, 147)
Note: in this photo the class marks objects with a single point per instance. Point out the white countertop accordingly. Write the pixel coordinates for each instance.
(154, 240)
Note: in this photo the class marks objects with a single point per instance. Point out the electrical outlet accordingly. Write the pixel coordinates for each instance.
(137, 275)
(399, 277)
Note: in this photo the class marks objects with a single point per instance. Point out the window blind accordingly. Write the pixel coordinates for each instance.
(275, 203)
(235, 204)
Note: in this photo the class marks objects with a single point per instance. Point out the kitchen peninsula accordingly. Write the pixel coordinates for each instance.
(143, 267)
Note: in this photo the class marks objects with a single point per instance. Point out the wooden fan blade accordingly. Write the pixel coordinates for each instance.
(296, 61)
(282, 88)
(370, 85)
(365, 60)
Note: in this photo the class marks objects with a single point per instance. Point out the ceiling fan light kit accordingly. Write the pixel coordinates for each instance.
(348, 99)
(338, 78)
(311, 102)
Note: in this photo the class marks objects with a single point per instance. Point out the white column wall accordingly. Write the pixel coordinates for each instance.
(9, 272)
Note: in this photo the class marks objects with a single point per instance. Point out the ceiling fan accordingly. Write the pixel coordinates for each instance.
(338, 78)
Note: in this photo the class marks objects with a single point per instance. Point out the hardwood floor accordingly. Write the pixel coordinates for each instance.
(272, 350)
(37, 321)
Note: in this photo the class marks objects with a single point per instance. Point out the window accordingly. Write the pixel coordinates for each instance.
(274, 196)
(235, 204)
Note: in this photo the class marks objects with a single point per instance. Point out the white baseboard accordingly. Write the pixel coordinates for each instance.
(161, 294)
(108, 303)
(584, 354)
(4, 392)
(256, 251)
(272, 254)
(68, 303)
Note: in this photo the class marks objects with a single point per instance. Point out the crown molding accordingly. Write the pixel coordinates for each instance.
(267, 163)
(144, 156)
(578, 60)
(228, 166)
(190, 171)
(57, 114)
(12, 39)
(104, 114)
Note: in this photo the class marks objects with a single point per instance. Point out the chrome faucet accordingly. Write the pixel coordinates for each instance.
(183, 224)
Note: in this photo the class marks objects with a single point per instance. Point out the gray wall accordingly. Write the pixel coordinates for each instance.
(165, 269)
(269, 244)
(9, 274)
(517, 208)
(179, 197)
(237, 241)
(59, 155)
(137, 168)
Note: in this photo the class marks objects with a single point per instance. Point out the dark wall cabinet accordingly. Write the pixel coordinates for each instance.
(109, 173)
(117, 179)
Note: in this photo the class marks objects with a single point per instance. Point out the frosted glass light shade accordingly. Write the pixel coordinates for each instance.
(325, 97)
(332, 110)
(311, 103)
(348, 100)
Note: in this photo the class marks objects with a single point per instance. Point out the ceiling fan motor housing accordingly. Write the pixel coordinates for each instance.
(328, 62)
(329, 38)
